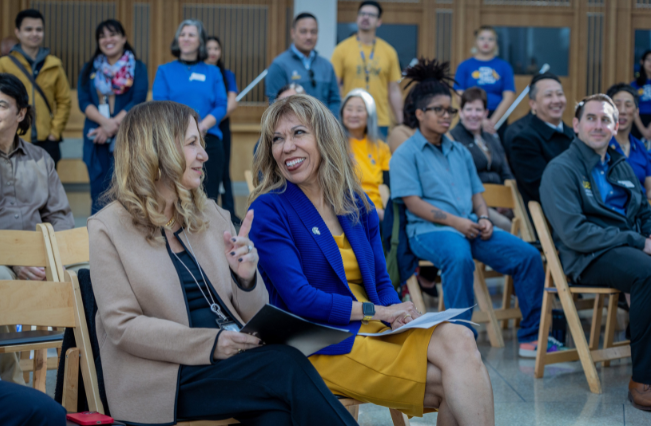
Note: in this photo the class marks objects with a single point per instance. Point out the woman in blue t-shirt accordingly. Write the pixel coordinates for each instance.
(492, 74)
(642, 128)
(192, 82)
(215, 55)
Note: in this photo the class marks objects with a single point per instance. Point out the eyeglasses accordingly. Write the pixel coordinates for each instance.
(440, 111)
(367, 15)
(312, 80)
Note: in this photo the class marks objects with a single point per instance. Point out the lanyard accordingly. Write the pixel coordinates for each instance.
(370, 58)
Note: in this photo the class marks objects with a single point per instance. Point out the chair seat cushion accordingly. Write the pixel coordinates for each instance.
(30, 336)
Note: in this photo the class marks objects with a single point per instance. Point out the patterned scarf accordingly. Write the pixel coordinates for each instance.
(117, 78)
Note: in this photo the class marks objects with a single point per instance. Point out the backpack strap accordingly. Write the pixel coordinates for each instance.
(31, 79)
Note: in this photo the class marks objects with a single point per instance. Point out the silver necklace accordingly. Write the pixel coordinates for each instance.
(214, 306)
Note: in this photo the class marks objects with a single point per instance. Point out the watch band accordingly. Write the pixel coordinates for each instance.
(485, 217)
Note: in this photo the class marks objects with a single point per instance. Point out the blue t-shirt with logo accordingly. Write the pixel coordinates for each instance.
(644, 92)
(494, 76)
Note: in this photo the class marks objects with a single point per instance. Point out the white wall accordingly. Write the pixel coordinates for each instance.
(326, 14)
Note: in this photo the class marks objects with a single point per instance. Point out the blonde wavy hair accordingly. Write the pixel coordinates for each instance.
(336, 172)
(148, 148)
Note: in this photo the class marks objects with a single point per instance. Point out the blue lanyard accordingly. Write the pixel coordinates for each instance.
(370, 58)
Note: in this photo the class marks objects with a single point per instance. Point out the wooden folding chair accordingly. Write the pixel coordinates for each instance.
(248, 176)
(83, 353)
(525, 228)
(31, 248)
(556, 284)
(69, 247)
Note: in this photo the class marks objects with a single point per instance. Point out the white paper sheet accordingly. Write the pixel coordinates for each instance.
(427, 320)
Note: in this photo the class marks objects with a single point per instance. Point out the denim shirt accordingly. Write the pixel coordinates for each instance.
(307, 60)
(613, 196)
(445, 177)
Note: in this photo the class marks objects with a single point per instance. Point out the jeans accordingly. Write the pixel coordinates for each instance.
(629, 270)
(453, 254)
(100, 184)
(52, 148)
(384, 132)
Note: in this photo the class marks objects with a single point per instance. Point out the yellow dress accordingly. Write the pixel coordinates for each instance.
(388, 371)
(370, 161)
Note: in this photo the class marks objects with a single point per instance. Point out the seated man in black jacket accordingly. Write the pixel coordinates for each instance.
(602, 225)
(545, 137)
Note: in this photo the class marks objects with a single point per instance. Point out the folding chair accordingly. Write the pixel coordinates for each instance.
(556, 284)
(525, 228)
(69, 247)
(31, 248)
(84, 352)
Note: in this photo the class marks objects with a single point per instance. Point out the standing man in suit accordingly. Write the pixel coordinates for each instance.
(45, 80)
(302, 64)
(544, 138)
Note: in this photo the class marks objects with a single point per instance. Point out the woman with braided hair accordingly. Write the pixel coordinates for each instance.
(447, 217)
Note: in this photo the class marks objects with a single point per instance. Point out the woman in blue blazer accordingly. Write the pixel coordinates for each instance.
(110, 84)
(321, 257)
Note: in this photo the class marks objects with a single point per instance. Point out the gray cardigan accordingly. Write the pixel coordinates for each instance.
(584, 227)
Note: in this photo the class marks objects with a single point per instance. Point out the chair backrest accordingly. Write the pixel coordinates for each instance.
(526, 228)
(69, 247)
(42, 303)
(498, 196)
(28, 248)
(547, 243)
(248, 176)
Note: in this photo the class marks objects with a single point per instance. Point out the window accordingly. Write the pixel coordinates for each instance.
(403, 38)
(642, 44)
(527, 49)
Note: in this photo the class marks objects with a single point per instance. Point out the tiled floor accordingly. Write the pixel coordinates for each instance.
(560, 398)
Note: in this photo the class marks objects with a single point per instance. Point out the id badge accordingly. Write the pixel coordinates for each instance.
(227, 325)
(104, 110)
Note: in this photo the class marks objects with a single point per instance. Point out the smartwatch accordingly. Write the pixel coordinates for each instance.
(486, 217)
(368, 310)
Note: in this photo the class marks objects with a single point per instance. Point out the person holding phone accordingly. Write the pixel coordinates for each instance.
(174, 284)
(192, 82)
(110, 84)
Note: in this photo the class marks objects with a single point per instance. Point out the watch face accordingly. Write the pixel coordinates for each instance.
(368, 309)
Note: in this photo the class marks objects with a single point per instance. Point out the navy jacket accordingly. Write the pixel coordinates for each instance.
(288, 68)
(302, 267)
(87, 95)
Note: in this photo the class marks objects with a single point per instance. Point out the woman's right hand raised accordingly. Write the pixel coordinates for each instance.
(231, 343)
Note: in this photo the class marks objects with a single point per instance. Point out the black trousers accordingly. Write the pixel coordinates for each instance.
(52, 148)
(214, 167)
(22, 405)
(629, 270)
(228, 202)
(270, 385)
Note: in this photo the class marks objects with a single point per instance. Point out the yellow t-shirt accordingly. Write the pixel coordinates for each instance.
(371, 160)
(384, 68)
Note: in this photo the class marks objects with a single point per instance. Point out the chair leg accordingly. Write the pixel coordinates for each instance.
(611, 323)
(543, 333)
(516, 321)
(486, 305)
(506, 298)
(25, 355)
(398, 418)
(354, 411)
(581, 343)
(71, 380)
(595, 329)
(40, 369)
(416, 294)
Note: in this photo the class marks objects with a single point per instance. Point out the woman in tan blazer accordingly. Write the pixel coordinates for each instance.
(174, 284)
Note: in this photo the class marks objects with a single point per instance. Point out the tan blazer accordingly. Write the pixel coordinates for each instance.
(142, 319)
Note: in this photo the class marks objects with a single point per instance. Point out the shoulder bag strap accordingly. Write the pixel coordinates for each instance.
(31, 80)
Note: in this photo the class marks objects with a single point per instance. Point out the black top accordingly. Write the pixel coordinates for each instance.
(199, 313)
(512, 131)
(497, 170)
(532, 149)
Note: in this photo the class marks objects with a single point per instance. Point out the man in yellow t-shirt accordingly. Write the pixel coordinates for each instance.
(368, 62)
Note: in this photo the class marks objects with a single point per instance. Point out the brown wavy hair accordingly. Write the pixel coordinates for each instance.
(148, 148)
(336, 172)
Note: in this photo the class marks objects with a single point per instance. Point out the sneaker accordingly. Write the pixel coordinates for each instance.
(528, 350)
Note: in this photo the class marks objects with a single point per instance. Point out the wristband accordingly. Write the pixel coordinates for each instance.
(485, 217)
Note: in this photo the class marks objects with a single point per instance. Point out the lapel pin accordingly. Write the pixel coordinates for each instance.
(316, 231)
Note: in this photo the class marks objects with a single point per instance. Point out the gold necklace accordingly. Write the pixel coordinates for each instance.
(170, 223)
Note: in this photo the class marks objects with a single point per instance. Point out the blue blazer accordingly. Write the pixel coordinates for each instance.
(87, 95)
(302, 267)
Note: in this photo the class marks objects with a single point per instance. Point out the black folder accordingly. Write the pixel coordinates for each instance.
(275, 326)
